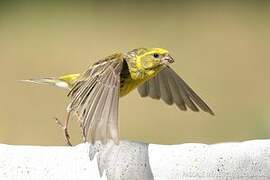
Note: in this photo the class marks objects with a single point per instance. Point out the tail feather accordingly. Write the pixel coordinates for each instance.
(49, 81)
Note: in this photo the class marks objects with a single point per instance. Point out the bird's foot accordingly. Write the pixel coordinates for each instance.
(65, 130)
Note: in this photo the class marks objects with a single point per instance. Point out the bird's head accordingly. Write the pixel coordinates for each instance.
(148, 60)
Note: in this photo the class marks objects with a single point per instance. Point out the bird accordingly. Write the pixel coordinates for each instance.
(94, 94)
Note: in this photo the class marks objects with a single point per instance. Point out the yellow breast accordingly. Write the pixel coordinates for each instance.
(132, 82)
(129, 85)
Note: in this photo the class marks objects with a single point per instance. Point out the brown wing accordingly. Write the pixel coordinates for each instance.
(95, 97)
(168, 86)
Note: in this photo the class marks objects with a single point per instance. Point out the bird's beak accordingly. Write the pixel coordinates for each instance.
(167, 59)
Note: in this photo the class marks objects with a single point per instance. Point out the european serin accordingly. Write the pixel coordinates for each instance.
(95, 93)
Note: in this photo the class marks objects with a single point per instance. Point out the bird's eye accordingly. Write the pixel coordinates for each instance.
(156, 55)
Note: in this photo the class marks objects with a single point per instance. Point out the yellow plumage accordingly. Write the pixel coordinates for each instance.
(70, 79)
(94, 94)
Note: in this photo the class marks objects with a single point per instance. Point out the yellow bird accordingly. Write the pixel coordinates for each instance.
(95, 93)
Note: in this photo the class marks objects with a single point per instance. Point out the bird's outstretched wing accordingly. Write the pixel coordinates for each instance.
(171, 88)
(95, 97)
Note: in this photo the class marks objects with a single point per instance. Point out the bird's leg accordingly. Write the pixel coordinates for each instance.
(65, 129)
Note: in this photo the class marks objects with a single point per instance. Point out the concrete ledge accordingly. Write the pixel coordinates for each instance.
(137, 161)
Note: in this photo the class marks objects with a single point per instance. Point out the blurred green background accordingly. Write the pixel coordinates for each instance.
(221, 48)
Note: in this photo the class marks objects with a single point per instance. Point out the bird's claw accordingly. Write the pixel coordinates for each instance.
(65, 130)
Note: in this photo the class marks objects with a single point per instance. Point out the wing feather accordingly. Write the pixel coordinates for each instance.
(94, 99)
(112, 122)
(154, 90)
(144, 90)
(181, 97)
(191, 94)
(165, 92)
(178, 96)
(173, 89)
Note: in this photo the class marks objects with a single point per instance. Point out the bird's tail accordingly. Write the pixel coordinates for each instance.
(49, 81)
(66, 81)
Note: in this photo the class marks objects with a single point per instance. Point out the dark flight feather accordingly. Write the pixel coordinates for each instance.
(171, 88)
